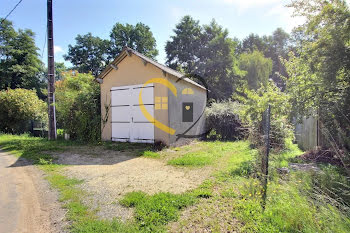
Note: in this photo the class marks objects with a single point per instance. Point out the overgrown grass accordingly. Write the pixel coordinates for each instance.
(282, 158)
(289, 207)
(296, 202)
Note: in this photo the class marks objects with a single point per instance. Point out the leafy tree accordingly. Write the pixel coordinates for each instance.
(257, 67)
(92, 54)
(319, 76)
(253, 42)
(78, 106)
(278, 47)
(253, 105)
(89, 54)
(217, 62)
(275, 47)
(20, 65)
(206, 51)
(184, 47)
(59, 69)
(18, 107)
(138, 37)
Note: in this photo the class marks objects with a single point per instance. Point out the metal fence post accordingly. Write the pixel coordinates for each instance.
(265, 156)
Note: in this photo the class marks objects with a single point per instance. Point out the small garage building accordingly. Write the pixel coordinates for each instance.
(145, 101)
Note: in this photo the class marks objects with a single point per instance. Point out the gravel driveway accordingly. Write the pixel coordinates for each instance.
(27, 203)
(108, 175)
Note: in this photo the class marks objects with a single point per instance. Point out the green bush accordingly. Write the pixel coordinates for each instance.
(78, 106)
(254, 103)
(222, 118)
(18, 107)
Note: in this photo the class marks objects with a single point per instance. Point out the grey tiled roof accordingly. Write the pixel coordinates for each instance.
(153, 62)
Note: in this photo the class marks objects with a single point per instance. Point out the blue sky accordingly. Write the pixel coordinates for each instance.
(240, 17)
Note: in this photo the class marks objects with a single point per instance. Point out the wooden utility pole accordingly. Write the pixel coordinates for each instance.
(51, 74)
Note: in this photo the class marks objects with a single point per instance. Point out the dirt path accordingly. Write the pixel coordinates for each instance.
(109, 175)
(27, 204)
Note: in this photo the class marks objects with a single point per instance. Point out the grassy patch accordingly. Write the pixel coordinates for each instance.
(196, 159)
(152, 212)
(282, 158)
(207, 153)
(32, 148)
(151, 154)
(133, 198)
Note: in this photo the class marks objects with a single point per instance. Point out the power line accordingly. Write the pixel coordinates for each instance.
(11, 11)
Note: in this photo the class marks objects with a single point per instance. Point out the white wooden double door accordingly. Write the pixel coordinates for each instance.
(128, 122)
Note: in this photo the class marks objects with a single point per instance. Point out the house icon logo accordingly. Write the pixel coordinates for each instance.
(161, 103)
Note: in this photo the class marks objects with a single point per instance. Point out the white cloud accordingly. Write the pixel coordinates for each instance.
(58, 49)
(284, 15)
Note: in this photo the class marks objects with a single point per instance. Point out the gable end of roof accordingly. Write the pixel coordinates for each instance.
(128, 52)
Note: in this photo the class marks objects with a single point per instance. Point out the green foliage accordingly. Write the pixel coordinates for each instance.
(223, 118)
(18, 107)
(153, 212)
(78, 106)
(60, 68)
(334, 185)
(183, 47)
(319, 73)
(206, 51)
(245, 169)
(20, 66)
(288, 208)
(254, 103)
(89, 54)
(92, 54)
(275, 46)
(138, 37)
(257, 67)
(253, 42)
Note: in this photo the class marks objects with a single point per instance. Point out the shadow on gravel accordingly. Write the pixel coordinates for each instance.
(34, 150)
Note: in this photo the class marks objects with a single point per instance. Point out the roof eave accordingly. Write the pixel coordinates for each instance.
(115, 62)
(128, 51)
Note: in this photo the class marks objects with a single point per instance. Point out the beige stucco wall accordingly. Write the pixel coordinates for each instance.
(132, 71)
(199, 100)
